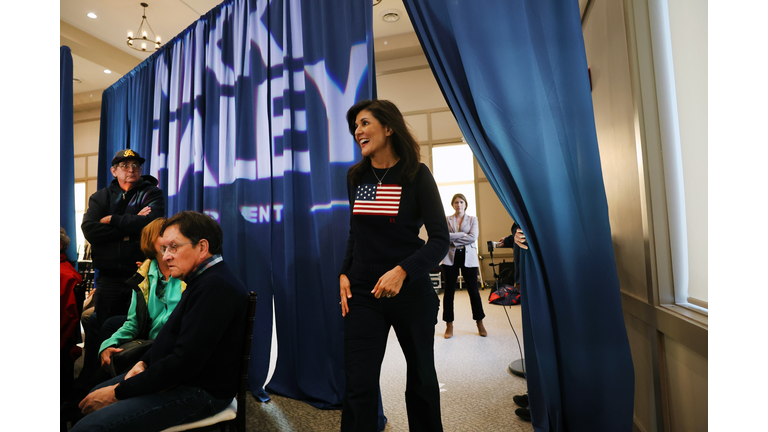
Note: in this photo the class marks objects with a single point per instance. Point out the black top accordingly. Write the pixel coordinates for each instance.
(385, 222)
(116, 247)
(200, 345)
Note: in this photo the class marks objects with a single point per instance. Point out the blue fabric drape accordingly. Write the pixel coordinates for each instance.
(515, 76)
(242, 116)
(127, 105)
(67, 153)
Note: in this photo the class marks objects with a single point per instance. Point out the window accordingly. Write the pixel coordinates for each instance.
(79, 212)
(453, 169)
(680, 52)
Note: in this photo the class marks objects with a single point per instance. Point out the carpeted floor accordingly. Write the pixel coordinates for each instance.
(476, 386)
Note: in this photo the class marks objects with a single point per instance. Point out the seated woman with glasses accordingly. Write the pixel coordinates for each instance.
(161, 293)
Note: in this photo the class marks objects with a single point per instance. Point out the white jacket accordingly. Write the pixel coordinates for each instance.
(465, 235)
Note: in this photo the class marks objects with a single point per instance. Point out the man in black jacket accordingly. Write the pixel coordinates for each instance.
(191, 371)
(112, 225)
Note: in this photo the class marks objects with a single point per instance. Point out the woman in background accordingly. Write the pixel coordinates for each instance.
(161, 293)
(462, 255)
(384, 280)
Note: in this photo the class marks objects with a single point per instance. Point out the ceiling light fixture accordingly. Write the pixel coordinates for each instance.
(390, 15)
(91, 15)
(139, 43)
(107, 71)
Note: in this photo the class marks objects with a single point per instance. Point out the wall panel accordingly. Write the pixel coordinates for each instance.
(641, 340)
(86, 137)
(414, 90)
(669, 347)
(688, 387)
(614, 121)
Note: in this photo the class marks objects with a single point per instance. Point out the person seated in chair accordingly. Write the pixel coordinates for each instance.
(69, 320)
(191, 371)
(161, 293)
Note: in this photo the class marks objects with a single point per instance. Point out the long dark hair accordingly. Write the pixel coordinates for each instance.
(403, 143)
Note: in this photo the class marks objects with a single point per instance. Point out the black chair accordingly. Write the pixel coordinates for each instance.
(231, 418)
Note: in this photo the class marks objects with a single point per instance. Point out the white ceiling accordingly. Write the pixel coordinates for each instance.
(167, 19)
(99, 44)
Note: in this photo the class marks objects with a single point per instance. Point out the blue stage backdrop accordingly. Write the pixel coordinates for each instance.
(242, 116)
(514, 73)
(67, 153)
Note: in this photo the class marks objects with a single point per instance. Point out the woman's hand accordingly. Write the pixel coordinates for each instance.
(520, 239)
(136, 369)
(106, 355)
(345, 294)
(390, 283)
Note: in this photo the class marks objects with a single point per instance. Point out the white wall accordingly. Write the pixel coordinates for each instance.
(410, 84)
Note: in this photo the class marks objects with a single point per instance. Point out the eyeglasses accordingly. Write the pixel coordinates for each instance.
(173, 248)
(126, 167)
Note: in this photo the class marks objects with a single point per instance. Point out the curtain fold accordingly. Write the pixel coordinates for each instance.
(242, 116)
(67, 152)
(514, 73)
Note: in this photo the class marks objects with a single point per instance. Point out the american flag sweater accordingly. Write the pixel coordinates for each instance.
(385, 221)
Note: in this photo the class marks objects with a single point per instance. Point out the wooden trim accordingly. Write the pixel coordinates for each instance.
(669, 321)
(661, 385)
(425, 111)
(400, 70)
(87, 154)
(636, 425)
(448, 142)
(699, 303)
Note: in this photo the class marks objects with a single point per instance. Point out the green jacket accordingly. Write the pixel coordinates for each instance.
(159, 308)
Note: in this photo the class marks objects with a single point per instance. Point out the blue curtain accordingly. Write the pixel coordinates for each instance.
(67, 152)
(515, 76)
(242, 116)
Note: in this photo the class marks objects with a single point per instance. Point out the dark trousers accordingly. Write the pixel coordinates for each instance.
(113, 298)
(152, 412)
(93, 339)
(413, 315)
(66, 373)
(470, 280)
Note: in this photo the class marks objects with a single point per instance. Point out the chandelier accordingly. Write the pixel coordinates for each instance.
(139, 43)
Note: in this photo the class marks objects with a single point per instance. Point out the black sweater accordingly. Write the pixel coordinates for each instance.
(201, 343)
(378, 243)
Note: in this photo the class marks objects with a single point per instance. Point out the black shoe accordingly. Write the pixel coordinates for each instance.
(521, 400)
(70, 412)
(524, 413)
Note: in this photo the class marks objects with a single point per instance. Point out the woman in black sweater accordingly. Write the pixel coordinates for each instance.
(384, 279)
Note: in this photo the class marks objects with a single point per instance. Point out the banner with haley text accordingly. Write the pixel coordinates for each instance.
(242, 116)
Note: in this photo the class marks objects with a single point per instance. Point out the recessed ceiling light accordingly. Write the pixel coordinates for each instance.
(107, 71)
(91, 15)
(390, 15)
